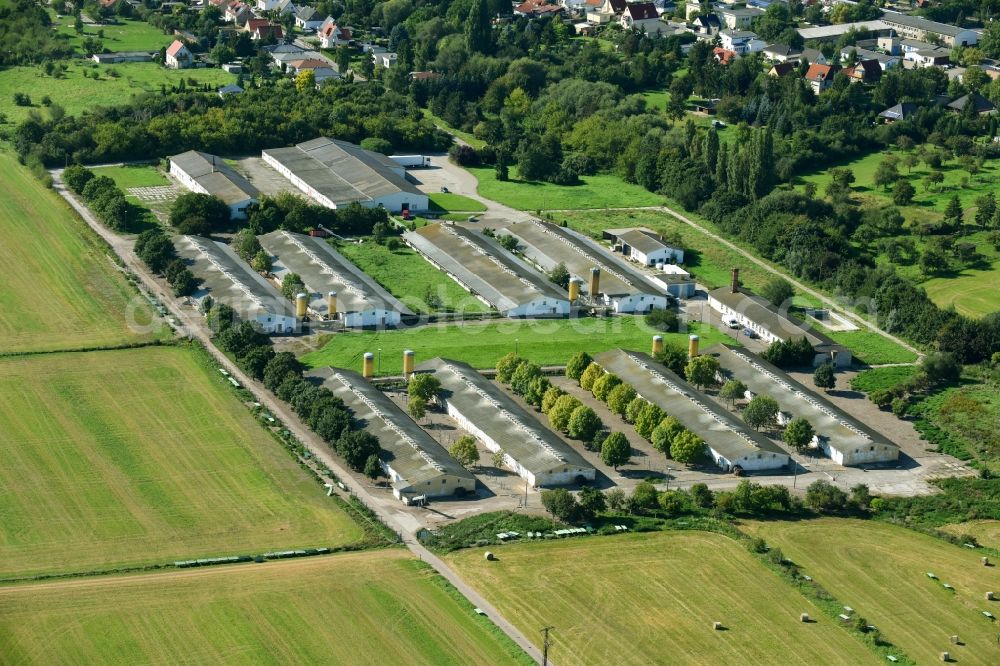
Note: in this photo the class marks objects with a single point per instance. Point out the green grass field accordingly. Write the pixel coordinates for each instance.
(134, 175)
(881, 571)
(126, 35)
(143, 455)
(987, 532)
(971, 291)
(76, 94)
(652, 598)
(881, 378)
(60, 289)
(455, 202)
(408, 276)
(600, 191)
(360, 608)
(872, 348)
(546, 342)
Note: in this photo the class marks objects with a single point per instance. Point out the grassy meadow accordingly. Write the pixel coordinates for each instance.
(546, 342)
(125, 35)
(60, 288)
(372, 608)
(598, 191)
(455, 203)
(652, 598)
(881, 571)
(407, 275)
(143, 456)
(114, 85)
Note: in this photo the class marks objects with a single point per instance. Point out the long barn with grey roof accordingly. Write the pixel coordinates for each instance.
(846, 440)
(209, 174)
(230, 281)
(416, 464)
(730, 443)
(332, 281)
(488, 271)
(607, 280)
(480, 407)
(337, 173)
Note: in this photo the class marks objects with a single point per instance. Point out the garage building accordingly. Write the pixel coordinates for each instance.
(728, 441)
(415, 463)
(644, 247)
(209, 174)
(846, 440)
(332, 280)
(337, 173)
(488, 271)
(535, 453)
(229, 280)
(608, 281)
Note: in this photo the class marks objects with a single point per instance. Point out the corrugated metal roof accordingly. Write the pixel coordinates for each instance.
(655, 383)
(228, 279)
(840, 430)
(642, 241)
(408, 449)
(217, 177)
(341, 171)
(761, 311)
(520, 435)
(548, 244)
(323, 269)
(482, 265)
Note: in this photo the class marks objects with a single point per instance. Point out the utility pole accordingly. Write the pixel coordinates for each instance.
(545, 645)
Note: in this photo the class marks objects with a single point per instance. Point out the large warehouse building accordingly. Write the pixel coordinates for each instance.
(607, 280)
(729, 442)
(336, 173)
(332, 281)
(846, 440)
(531, 450)
(488, 271)
(209, 174)
(416, 464)
(229, 280)
(771, 324)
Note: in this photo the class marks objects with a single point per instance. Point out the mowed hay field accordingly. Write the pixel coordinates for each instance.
(59, 289)
(986, 532)
(378, 607)
(881, 571)
(652, 598)
(120, 458)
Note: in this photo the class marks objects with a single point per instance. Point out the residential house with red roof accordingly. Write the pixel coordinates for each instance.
(178, 56)
(820, 77)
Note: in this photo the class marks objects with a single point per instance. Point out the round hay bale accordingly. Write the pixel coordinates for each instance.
(717, 626)
(986, 561)
(989, 596)
(804, 617)
(489, 556)
(945, 656)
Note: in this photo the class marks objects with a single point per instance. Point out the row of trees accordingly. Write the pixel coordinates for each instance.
(664, 432)
(103, 197)
(158, 253)
(746, 500)
(281, 374)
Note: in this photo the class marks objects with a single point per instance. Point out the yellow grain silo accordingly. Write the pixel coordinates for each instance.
(595, 281)
(301, 303)
(657, 344)
(574, 289)
(331, 305)
(692, 346)
(407, 363)
(368, 367)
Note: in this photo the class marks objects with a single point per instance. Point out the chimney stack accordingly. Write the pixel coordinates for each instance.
(595, 282)
(736, 280)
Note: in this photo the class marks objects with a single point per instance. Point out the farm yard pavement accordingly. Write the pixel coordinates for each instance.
(156, 194)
